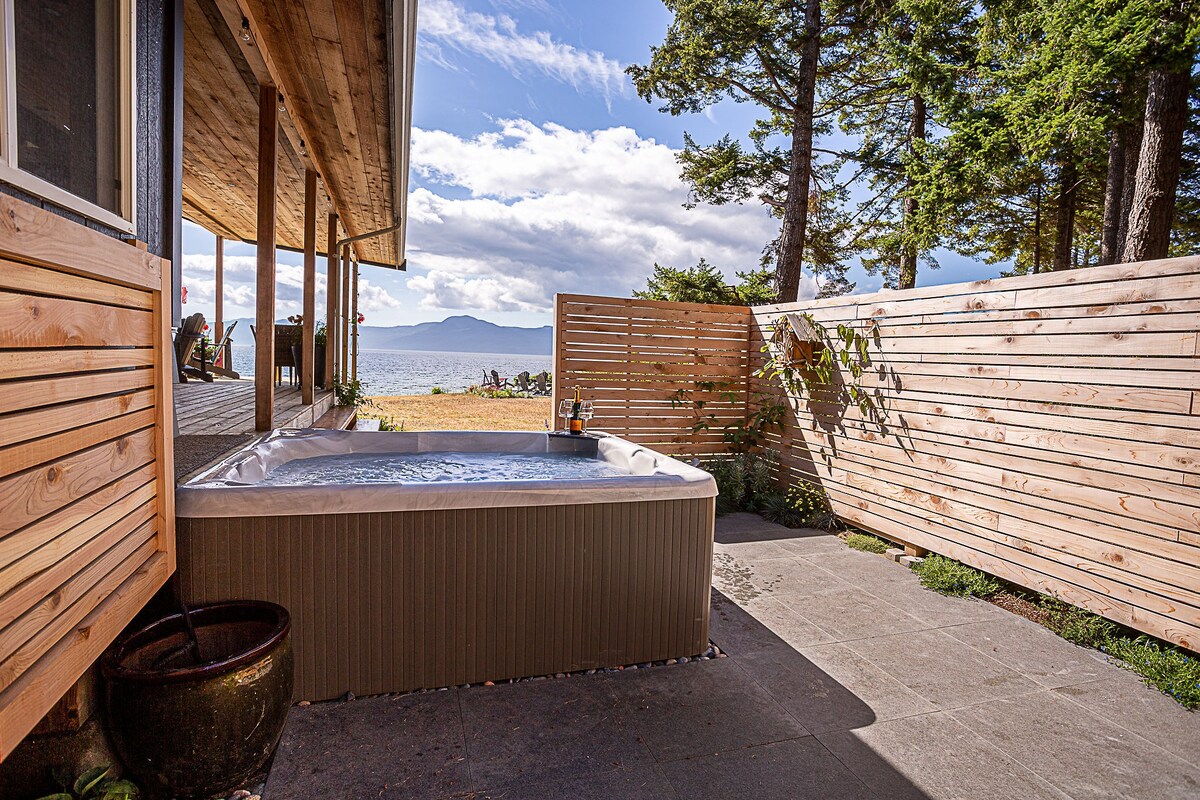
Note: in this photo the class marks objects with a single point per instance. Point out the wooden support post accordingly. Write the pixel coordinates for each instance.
(309, 329)
(219, 322)
(344, 312)
(354, 322)
(264, 341)
(331, 301)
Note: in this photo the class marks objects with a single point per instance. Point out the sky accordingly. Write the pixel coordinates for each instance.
(536, 169)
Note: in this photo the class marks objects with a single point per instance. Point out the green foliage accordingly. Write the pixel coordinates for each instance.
(389, 424)
(492, 393)
(805, 505)
(947, 576)
(437, 390)
(352, 393)
(742, 434)
(97, 783)
(704, 283)
(867, 543)
(1075, 624)
(320, 335)
(1166, 668)
(819, 378)
(744, 481)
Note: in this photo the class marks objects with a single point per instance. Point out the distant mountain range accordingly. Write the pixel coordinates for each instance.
(461, 334)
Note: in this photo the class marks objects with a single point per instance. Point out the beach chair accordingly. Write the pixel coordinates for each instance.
(498, 382)
(543, 384)
(186, 339)
(487, 380)
(523, 383)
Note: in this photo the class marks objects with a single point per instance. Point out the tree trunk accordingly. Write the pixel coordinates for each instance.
(1114, 189)
(908, 251)
(1153, 209)
(1037, 227)
(1064, 226)
(1133, 149)
(790, 259)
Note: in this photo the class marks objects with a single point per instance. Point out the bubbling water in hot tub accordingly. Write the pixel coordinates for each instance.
(436, 467)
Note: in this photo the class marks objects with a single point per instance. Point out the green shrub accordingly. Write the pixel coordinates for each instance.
(1166, 668)
(780, 509)
(947, 576)
(867, 543)
(745, 481)
(1076, 624)
(96, 784)
(437, 390)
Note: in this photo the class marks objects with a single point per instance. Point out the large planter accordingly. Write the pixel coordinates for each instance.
(318, 363)
(193, 731)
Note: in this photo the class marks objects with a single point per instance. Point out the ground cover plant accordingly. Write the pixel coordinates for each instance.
(866, 542)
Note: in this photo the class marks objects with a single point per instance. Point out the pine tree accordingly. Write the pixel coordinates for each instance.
(763, 52)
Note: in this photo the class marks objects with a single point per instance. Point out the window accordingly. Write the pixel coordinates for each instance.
(68, 104)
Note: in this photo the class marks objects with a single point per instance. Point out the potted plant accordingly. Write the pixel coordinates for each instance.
(319, 340)
(196, 705)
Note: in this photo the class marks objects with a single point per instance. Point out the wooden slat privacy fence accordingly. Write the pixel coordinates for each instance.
(1043, 428)
(645, 364)
(86, 483)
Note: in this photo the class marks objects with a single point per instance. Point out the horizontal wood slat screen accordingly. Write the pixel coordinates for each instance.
(645, 362)
(86, 481)
(1044, 428)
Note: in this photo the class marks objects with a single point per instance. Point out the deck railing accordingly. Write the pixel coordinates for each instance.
(1043, 428)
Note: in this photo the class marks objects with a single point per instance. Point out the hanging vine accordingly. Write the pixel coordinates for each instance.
(813, 366)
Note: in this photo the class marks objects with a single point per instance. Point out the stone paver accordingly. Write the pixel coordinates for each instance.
(845, 679)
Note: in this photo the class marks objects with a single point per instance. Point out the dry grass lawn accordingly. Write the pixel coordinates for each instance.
(462, 412)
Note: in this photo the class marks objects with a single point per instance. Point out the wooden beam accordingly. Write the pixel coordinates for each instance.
(218, 327)
(264, 341)
(308, 331)
(344, 312)
(354, 322)
(331, 301)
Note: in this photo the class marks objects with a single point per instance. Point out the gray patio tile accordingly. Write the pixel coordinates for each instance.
(865, 570)
(798, 769)
(639, 783)
(853, 613)
(1123, 698)
(1032, 650)
(411, 744)
(787, 624)
(735, 630)
(701, 708)
(938, 610)
(748, 580)
(527, 733)
(744, 526)
(1080, 753)
(808, 542)
(752, 551)
(831, 687)
(942, 669)
(933, 757)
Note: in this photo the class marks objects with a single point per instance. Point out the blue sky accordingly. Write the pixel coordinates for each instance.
(536, 169)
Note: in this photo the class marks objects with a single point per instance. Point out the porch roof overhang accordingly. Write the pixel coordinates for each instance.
(344, 72)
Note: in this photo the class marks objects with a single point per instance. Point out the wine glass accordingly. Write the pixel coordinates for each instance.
(586, 412)
(564, 411)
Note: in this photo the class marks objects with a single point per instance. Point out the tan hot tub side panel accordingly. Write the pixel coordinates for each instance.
(395, 601)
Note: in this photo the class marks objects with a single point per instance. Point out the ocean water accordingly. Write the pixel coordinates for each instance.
(435, 467)
(393, 372)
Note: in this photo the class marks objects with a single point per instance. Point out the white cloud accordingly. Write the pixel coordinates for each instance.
(447, 24)
(549, 209)
(199, 276)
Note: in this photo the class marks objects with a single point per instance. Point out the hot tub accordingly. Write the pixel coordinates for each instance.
(419, 560)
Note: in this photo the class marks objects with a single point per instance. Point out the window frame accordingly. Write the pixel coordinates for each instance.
(10, 170)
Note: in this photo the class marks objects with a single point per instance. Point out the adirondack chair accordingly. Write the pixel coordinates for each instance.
(487, 380)
(498, 382)
(186, 339)
(523, 383)
(543, 383)
(219, 366)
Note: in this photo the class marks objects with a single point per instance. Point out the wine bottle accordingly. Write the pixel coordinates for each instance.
(576, 420)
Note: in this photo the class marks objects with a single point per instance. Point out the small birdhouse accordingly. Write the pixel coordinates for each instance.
(796, 340)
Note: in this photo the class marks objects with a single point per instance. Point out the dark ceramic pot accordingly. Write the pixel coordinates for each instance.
(194, 731)
(319, 365)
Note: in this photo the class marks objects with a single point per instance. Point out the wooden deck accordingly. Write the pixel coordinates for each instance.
(227, 407)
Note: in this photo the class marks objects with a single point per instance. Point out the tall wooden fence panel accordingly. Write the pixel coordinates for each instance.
(86, 483)
(668, 375)
(1042, 428)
